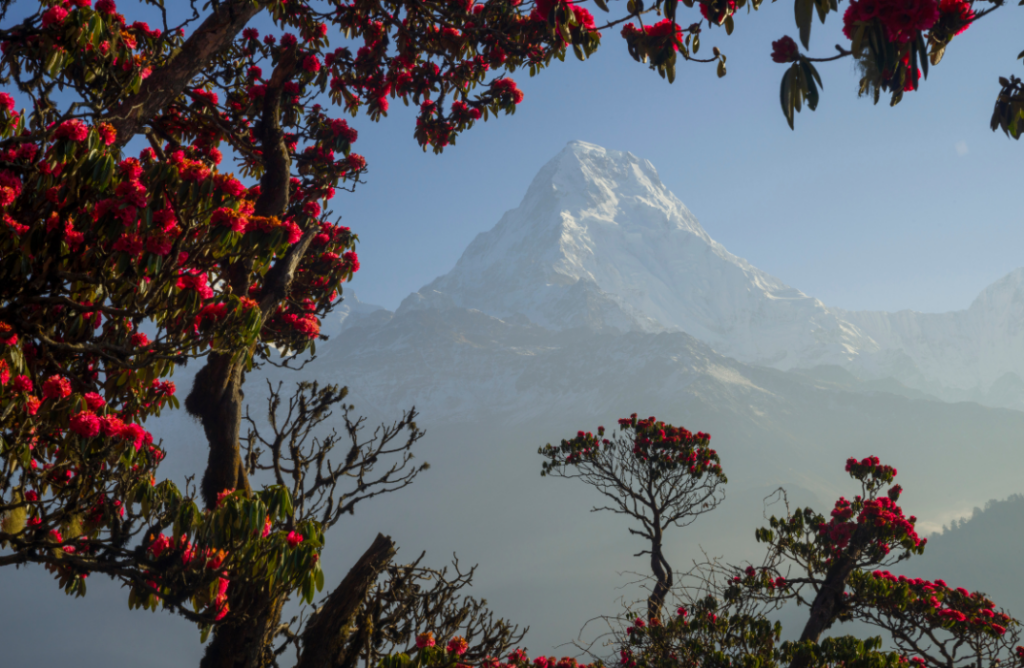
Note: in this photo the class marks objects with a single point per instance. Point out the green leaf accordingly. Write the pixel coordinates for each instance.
(601, 4)
(730, 25)
(784, 98)
(822, 6)
(670, 8)
(858, 40)
(922, 55)
(812, 90)
(804, 12)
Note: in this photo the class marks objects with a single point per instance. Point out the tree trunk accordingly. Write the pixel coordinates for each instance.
(324, 638)
(216, 399)
(248, 641)
(829, 602)
(663, 579)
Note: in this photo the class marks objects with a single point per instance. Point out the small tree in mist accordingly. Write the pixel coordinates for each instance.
(656, 474)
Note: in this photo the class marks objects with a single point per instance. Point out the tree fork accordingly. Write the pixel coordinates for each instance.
(216, 33)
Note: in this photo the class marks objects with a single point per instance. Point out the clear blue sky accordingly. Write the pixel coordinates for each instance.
(864, 207)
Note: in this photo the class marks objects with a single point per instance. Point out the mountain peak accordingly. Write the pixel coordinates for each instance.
(589, 178)
(600, 242)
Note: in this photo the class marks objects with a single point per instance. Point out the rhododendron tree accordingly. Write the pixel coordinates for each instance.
(128, 246)
(839, 568)
(656, 474)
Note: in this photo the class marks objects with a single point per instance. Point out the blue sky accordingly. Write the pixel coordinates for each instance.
(864, 207)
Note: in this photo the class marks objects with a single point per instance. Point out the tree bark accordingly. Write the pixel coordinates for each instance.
(216, 396)
(216, 33)
(663, 576)
(324, 638)
(247, 642)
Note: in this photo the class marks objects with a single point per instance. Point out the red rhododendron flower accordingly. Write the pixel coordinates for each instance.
(294, 538)
(159, 546)
(107, 133)
(94, 401)
(340, 128)
(86, 424)
(73, 130)
(111, 425)
(135, 434)
(311, 63)
(164, 388)
(458, 645)
(785, 50)
(56, 387)
(22, 384)
(211, 313)
(504, 87)
(663, 29)
(957, 14)
(305, 324)
(195, 282)
(54, 16)
(901, 19)
(425, 640)
(7, 335)
(717, 12)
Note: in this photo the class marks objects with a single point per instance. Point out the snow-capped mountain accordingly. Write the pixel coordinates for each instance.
(600, 242)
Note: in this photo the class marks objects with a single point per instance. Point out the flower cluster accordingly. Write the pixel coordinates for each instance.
(902, 20)
(936, 603)
(785, 50)
(879, 516)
